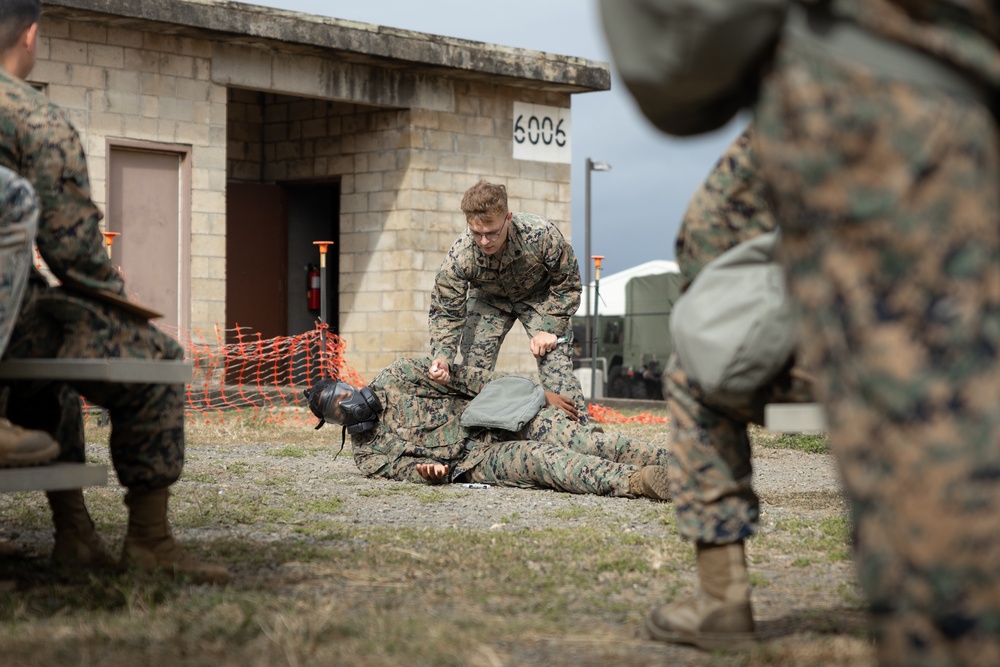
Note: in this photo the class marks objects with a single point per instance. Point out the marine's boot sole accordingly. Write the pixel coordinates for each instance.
(710, 641)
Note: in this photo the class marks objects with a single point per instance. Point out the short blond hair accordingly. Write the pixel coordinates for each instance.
(485, 200)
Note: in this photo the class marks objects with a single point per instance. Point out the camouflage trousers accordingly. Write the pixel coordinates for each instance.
(486, 326)
(888, 197)
(147, 420)
(711, 479)
(18, 225)
(553, 452)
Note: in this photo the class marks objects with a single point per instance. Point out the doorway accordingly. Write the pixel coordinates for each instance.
(149, 208)
(270, 230)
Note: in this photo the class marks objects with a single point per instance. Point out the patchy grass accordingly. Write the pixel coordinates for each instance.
(811, 443)
(312, 587)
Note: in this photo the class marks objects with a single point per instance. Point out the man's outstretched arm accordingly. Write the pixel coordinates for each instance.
(404, 469)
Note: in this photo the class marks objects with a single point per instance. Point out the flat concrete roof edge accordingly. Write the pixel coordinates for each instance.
(371, 40)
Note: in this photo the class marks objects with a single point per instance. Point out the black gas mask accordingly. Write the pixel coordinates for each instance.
(357, 410)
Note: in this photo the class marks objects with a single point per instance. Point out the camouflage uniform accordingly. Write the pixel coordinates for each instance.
(147, 436)
(420, 424)
(535, 280)
(18, 226)
(888, 196)
(711, 481)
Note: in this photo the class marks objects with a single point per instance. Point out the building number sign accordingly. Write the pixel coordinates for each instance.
(541, 133)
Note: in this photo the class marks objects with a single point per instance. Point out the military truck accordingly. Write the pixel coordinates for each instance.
(633, 333)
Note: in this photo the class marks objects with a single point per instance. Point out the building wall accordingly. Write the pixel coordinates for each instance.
(124, 83)
(403, 173)
(404, 155)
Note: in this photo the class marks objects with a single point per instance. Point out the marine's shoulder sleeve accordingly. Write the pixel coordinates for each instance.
(729, 207)
(448, 299)
(48, 152)
(547, 246)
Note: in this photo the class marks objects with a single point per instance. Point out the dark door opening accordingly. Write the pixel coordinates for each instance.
(256, 259)
(313, 215)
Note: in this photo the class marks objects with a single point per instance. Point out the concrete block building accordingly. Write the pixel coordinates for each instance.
(224, 139)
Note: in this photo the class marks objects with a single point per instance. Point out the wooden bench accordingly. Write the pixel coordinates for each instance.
(61, 476)
(794, 417)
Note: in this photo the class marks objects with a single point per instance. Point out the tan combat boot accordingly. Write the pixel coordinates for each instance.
(150, 546)
(77, 544)
(719, 615)
(650, 482)
(24, 447)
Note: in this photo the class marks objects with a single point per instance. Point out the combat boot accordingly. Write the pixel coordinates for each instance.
(650, 482)
(24, 447)
(149, 543)
(719, 616)
(77, 544)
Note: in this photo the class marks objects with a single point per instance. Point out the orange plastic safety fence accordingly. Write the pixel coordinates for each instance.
(237, 369)
(604, 415)
(243, 371)
(240, 370)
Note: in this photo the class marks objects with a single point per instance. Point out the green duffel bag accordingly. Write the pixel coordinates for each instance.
(734, 329)
(506, 403)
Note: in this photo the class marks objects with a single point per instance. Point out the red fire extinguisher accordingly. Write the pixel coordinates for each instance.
(312, 294)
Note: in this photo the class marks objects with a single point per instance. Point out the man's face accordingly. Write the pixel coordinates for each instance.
(490, 233)
(325, 398)
(335, 414)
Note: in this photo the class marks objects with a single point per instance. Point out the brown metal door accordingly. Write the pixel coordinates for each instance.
(144, 207)
(256, 259)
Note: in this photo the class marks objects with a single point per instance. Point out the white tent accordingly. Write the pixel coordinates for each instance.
(611, 295)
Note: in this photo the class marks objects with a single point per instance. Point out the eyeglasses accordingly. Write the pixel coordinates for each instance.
(489, 236)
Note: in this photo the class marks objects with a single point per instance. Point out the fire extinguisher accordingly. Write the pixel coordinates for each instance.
(312, 294)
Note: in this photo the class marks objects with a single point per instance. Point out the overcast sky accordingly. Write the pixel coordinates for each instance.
(637, 206)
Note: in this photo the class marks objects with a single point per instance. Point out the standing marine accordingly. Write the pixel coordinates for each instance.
(877, 138)
(507, 267)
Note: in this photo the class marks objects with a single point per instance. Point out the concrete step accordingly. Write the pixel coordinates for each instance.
(794, 417)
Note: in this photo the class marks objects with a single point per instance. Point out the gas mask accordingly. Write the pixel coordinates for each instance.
(357, 410)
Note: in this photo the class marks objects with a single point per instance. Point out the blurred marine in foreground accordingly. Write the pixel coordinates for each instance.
(877, 138)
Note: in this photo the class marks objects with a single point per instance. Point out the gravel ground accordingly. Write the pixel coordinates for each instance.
(781, 477)
(797, 608)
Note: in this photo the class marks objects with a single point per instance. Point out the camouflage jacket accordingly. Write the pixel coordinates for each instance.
(420, 420)
(728, 208)
(965, 33)
(537, 267)
(18, 226)
(38, 142)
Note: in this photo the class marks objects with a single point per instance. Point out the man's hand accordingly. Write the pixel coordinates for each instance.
(543, 343)
(433, 472)
(440, 371)
(563, 403)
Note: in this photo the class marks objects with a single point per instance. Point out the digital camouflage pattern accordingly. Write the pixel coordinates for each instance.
(960, 32)
(888, 197)
(535, 280)
(18, 226)
(728, 208)
(420, 424)
(38, 142)
(710, 482)
(147, 434)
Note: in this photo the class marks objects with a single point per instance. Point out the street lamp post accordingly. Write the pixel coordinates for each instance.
(591, 166)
